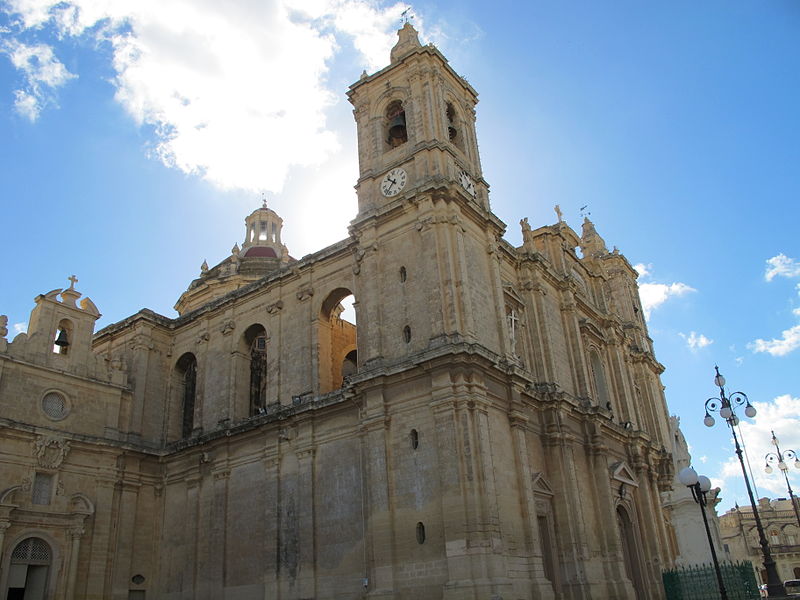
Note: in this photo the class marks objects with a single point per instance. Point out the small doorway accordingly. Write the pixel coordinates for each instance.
(30, 568)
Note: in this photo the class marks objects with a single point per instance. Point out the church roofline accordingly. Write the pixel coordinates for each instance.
(289, 270)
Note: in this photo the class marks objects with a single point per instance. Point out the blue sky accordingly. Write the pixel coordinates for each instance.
(138, 134)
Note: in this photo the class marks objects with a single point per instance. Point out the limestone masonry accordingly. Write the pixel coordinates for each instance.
(493, 427)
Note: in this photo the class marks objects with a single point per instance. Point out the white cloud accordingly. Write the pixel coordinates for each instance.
(43, 74)
(703, 459)
(789, 341)
(655, 294)
(20, 327)
(781, 415)
(695, 341)
(783, 266)
(643, 269)
(236, 92)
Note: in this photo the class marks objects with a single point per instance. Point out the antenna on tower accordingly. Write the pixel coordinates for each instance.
(406, 16)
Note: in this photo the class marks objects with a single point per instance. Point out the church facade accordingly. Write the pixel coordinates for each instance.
(492, 426)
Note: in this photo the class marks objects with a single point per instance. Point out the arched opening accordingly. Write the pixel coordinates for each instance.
(255, 342)
(455, 129)
(630, 551)
(338, 353)
(63, 337)
(29, 570)
(396, 132)
(599, 378)
(186, 371)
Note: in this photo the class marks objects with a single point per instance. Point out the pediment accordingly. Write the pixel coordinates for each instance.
(620, 471)
(540, 485)
(509, 291)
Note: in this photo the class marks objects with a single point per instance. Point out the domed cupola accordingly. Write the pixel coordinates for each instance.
(263, 234)
(261, 254)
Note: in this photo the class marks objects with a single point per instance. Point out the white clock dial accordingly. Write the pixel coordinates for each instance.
(466, 183)
(393, 182)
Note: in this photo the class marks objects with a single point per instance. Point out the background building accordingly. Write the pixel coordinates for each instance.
(492, 425)
(740, 536)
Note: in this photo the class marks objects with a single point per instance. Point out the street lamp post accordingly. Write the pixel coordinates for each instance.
(779, 457)
(700, 484)
(725, 406)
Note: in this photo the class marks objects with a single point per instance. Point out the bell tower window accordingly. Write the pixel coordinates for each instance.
(454, 134)
(396, 132)
(63, 337)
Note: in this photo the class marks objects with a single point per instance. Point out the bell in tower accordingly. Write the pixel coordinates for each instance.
(396, 117)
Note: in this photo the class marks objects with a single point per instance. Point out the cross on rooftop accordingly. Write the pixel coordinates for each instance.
(73, 280)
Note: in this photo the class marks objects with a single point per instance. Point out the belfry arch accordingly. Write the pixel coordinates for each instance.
(337, 354)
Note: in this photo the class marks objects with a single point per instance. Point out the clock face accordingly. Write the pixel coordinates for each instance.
(467, 183)
(393, 182)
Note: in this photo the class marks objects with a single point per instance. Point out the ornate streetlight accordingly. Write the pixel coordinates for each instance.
(725, 405)
(700, 484)
(780, 458)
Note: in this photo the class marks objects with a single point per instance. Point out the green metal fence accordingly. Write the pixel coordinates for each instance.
(700, 583)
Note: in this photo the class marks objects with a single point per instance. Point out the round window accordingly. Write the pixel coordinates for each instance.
(54, 405)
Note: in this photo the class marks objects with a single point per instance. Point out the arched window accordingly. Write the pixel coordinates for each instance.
(256, 339)
(187, 371)
(396, 132)
(29, 569)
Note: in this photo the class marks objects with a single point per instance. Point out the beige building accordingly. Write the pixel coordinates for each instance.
(494, 427)
(740, 536)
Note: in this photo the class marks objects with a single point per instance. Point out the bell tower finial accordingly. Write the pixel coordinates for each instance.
(407, 40)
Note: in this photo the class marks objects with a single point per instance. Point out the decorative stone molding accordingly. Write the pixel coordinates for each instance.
(275, 307)
(228, 327)
(50, 451)
(305, 294)
(203, 337)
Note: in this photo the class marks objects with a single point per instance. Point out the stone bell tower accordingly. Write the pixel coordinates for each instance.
(416, 128)
(427, 237)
